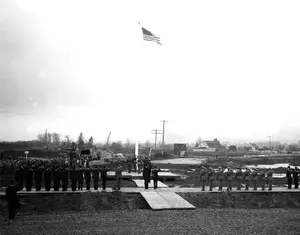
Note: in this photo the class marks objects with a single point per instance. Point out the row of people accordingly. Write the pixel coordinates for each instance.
(256, 177)
(60, 177)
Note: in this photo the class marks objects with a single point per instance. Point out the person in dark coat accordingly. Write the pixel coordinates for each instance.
(295, 177)
(104, 171)
(255, 179)
(146, 173)
(129, 163)
(12, 200)
(203, 177)
(74, 178)
(289, 173)
(38, 176)
(270, 178)
(155, 176)
(56, 178)
(247, 178)
(220, 178)
(211, 178)
(239, 177)
(263, 179)
(229, 178)
(80, 178)
(118, 177)
(65, 178)
(23, 174)
(96, 178)
(87, 176)
(29, 178)
(47, 178)
(134, 163)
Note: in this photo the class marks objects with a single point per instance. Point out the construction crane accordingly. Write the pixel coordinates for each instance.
(107, 140)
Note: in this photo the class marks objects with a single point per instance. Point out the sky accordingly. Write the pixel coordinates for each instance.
(226, 69)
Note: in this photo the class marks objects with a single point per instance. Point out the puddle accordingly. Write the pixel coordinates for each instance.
(277, 165)
(184, 161)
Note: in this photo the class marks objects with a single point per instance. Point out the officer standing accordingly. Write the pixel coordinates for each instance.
(155, 176)
(270, 178)
(220, 178)
(12, 200)
(229, 178)
(47, 178)
(211, 178)
(255, 179)
(87, 176)
(239, 176)
(263, 179)
(146, 173)
(289, 173)
(203, 177)
(95, 178)
(295, 177)
(104, 171)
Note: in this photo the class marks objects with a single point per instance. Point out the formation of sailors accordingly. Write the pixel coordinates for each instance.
(256, 178)
(59, 174)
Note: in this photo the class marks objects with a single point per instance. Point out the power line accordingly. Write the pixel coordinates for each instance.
(156, 132)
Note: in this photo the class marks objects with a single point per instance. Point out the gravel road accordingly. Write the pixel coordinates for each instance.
(199, 221)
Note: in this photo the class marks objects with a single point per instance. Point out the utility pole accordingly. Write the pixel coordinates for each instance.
(270, 144)
(46, 135)
(163, 137)
(156, 132)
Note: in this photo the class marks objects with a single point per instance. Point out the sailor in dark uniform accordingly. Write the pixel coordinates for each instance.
(295, 177)
(96, 178)
(73, 177)
(104, 171)
(38, 176)
(47, 178)
(87, 176)
(65, 178)
(239, 176)
(80, 178)
(29, 178)
(19, 177)
(289, 173)
(155, 176)
(56, 178)
(270, 178)
(263, 179)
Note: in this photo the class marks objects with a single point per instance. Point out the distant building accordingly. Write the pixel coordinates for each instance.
(251, 147)
(209, 146)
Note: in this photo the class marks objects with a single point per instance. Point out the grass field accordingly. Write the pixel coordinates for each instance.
(199, 221)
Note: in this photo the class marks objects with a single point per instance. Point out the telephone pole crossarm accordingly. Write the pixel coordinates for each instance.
(156, 132)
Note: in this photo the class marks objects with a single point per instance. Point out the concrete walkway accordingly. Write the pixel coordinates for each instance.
(175, 190)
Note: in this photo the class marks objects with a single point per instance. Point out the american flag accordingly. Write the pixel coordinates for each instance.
(148, 36)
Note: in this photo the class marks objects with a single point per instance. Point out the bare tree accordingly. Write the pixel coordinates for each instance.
(56, 139)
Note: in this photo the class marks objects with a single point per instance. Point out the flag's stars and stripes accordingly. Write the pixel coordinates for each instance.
(148, 36)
